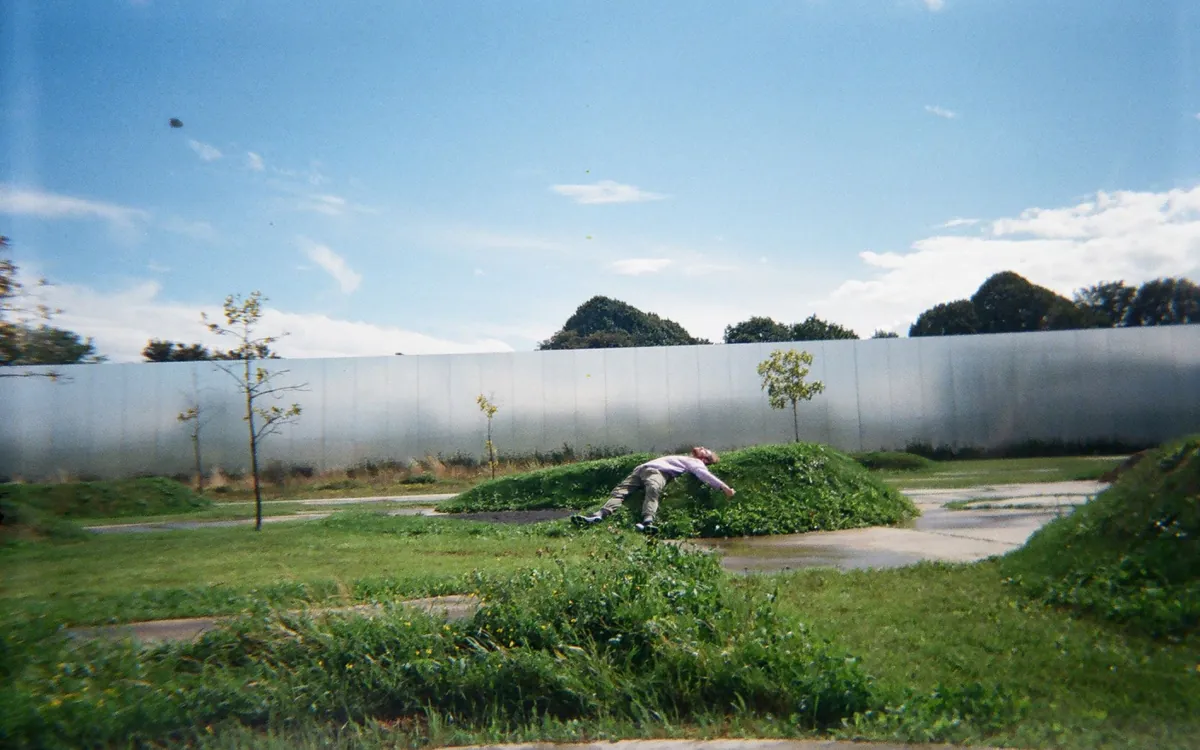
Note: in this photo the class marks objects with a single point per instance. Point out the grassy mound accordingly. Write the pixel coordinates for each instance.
(1132, 554)
(781, 489)
(641, 633)
(21, 523)
(894, 461)
(146, 496)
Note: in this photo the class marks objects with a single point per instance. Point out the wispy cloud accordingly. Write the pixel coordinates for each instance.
(330, 205)
(935, 5)
(254, 161)
(606, 191)
(33, 202)
(640, 266)
(960, 223)
(204, 150)
(940, 111)
(333, 264)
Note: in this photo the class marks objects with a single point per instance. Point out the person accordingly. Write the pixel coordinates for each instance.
(652, 477)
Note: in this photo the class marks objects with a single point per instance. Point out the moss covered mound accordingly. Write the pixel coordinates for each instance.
(146, 496)
(1132, 554)
(781, 489)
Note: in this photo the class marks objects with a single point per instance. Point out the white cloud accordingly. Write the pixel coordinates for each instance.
(122, 321)
(1129, 236)
(606, 191)
(205, 151)
(254, 161)
(940, 111)
(330, 205)
(935, 5)
(478, 271)
(32, 202)
(960, 223)
(640, 266)
(333, 264)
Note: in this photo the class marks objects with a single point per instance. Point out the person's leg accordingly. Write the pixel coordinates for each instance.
(615, 499)
(654, 482)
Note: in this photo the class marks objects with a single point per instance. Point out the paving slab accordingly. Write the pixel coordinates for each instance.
(453, 607)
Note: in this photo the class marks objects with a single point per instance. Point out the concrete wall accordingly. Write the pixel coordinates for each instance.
(119, 419)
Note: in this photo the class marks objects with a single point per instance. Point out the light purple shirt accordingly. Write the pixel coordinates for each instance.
(673, 466)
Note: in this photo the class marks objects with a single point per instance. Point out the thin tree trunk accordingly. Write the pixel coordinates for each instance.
(796, 421)
(196, 450)
(253, 451)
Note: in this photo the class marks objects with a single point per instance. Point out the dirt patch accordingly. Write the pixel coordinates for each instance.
(1113, 474)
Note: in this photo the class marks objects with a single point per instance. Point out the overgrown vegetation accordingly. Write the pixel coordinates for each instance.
(1132, 554)
(641, 633)
(106, 498)
(22, 523)
(781, 489)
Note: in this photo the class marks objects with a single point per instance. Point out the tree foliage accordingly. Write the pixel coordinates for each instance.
(242, 318)
(762, 329)
(606, 323)
(157, 350)
(813, 328)
(783, 375)
(26, 336)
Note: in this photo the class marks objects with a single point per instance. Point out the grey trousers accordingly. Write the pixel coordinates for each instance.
(650, 480)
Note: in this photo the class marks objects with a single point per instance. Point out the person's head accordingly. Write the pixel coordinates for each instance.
(705, 455)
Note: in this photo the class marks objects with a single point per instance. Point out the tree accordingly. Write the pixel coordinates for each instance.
(815, 329)
(157, 350)
(1109, 302)
(26, 338)
(1165, 301)
(241, 319)
(192, 415)
(783, 376)
(757, 330)
(1008, 302)
(955, 318)
(604, 323)
(882, 334)
(489, 410)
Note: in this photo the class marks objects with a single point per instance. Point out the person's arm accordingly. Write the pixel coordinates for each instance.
(701, 472)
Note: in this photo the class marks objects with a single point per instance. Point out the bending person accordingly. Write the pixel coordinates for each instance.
(652, 478)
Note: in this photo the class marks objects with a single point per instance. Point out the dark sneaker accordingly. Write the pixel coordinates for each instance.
(582, 520)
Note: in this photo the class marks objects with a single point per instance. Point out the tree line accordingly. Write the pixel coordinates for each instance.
(1005, 302)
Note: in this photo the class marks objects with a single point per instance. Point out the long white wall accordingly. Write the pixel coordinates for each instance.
(1133, 384)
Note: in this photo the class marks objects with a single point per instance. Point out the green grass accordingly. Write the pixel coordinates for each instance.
(1132, 554)
(961, 474)
(106, 499)
(1088, 684)
(781, 489)
(350, 556)
(245, 511)
(894, 461)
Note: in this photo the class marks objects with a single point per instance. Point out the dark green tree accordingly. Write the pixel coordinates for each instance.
(1109, 302)
(955, 318)
(602, 322)
(1008, 302)
(882, 334)
(815, 329)
(757, 330)
(158, 350)
(1165, 301)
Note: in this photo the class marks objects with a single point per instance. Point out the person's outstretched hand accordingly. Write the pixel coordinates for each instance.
(729, 492)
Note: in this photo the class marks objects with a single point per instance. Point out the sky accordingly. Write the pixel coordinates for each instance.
(457, 176)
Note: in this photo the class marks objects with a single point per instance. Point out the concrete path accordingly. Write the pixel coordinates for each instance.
(455, 607)
(426, 499)
(730, 744)
(939, 534)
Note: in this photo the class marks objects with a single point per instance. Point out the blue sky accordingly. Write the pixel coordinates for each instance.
(453, 176)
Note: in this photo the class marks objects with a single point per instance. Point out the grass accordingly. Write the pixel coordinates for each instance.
(1088, 684)
(348, 557)
(961, 474)
(781, 489)
(894, 461)
(1132, 555)
(106, 499)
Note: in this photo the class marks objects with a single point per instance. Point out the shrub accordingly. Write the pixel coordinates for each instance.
(107, 499)
(781, 489)
(893, 461)
(419, 479)
(1131, 555)
(19, 522)
(644, 632)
